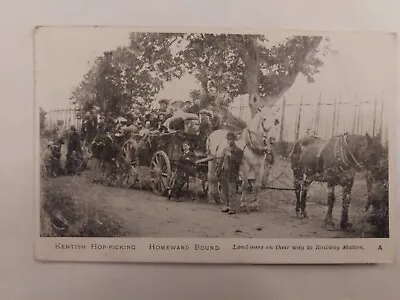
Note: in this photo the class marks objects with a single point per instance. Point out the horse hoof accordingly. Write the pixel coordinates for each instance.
(347, 227)
(329, 226)
(243, 208)
(301, 215)
(218, 201)
(254, 206)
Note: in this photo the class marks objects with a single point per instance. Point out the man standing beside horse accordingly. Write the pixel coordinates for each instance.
(228, 173)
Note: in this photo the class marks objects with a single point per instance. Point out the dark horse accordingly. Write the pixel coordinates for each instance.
(336, 162)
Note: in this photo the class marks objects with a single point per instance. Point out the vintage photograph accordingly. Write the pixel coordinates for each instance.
(163, 134)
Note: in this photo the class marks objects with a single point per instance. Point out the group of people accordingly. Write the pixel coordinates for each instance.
(169, 117)
(53, 152)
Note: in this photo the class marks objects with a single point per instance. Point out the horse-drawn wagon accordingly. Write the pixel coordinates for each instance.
(170, 157)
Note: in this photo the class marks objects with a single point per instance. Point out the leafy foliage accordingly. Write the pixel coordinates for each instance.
(225, 65)
(42, 118)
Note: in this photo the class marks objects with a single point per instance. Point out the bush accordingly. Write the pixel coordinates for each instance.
(65, 216)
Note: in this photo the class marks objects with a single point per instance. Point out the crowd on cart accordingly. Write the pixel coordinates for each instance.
(108, 128)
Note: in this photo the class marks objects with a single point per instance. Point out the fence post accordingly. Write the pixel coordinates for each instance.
(282, 119)
(359, 118)
(353, 131)
(297, 132)
(374, 122)
(381, 123)
(334, 117)
(338, 116)
(317, 112)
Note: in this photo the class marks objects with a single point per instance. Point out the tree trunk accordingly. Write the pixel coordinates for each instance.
(224, 115)
(250, 57)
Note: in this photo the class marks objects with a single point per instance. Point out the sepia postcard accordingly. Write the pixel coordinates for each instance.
(214, 146)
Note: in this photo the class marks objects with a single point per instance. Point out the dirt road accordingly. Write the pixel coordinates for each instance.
(141, 213)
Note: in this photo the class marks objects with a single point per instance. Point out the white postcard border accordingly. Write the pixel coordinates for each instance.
(360, 250)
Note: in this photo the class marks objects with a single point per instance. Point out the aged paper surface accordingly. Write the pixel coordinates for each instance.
(121, 177)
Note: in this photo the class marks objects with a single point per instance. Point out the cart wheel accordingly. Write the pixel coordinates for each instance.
(129, 176)
(161, 173)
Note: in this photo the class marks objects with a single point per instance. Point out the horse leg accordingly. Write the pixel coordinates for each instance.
(258, 172)
(303, 198)
(369, 187)
(267, 170)
(212, 182)
(298, 182)
(345, 225)
(245, 186)
(331, 202)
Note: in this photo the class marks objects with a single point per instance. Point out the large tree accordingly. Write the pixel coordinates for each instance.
(129, 76)
(225, 65)
(245, 64)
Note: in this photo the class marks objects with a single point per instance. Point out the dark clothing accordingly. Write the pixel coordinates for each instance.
(74, 143)
(162, 128)
(194, 109)
(216, 123)
(184, 171)
(187, 161)
(91, 128)
(228, 172)
(177, 124)
(84, 129)
(56, 150)
(231, 161)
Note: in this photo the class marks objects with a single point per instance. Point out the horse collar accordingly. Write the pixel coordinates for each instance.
(351, 154)
(251, 144)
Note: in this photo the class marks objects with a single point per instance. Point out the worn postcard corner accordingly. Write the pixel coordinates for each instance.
(262, 147)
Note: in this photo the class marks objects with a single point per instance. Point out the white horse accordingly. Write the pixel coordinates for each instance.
(254, 142)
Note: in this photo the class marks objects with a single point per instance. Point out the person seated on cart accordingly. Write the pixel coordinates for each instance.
(132, 124)
(185, 169)
(186, 106)
(177, 121)
(161, 120)
(205, 129)
(195, 107)
(164, 107)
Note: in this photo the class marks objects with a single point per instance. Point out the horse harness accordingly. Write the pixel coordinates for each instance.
(251, 145)
(341, 152)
